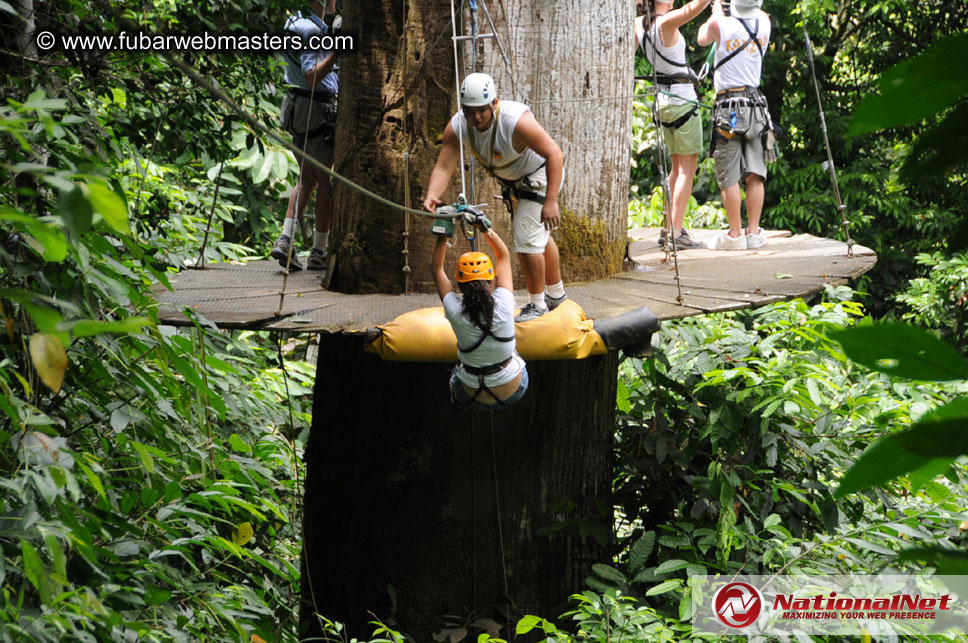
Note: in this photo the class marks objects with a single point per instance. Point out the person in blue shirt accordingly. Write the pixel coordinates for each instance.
(309, 115)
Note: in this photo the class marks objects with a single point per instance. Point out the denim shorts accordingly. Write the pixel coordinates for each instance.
(462, 400)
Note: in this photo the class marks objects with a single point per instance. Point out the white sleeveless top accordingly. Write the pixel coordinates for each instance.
(744, 68)
(676, 52)
(508, 163)
(491, 351)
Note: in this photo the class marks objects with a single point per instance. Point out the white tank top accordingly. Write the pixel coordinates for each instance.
(745, 67)
(676, 52)
(508, 164)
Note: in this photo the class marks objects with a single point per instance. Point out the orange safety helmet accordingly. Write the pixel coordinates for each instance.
(474, 266)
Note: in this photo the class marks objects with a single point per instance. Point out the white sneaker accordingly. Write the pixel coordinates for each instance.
(757, 240)
(723, 241)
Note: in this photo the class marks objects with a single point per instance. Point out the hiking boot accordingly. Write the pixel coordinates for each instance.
(725, 242)
(554, 302)
(529, 311)
(318, 259)
(280, 252)
(684, 241)
(757, 240)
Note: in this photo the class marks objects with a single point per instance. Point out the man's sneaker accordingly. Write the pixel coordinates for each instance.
(757, 240)
(684, 241)
(529, 311)
(662, 237)
(554, 302)
(723, 241)
(318, 259)
(280, 252)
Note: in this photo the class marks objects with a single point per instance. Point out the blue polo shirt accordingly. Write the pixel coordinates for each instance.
(298, 63)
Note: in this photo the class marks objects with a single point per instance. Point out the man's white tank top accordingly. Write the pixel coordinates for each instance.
(676, 52)
(744, 68)
(508, 164)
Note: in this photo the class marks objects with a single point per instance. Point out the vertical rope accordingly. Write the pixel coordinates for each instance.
(211, 212)
(472, 196)
(407, 272)
(664, 173)
(500, 531)
(474, 511)
(826, 140)
(460, 137)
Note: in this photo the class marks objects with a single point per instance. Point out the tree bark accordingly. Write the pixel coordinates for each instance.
(574, 68)
(389, 525)
(400, 490)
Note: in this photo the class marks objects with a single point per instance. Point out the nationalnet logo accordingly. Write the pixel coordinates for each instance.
(885, 604)
(738, 605)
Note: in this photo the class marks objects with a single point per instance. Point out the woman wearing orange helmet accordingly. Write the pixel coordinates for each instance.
(489, 375)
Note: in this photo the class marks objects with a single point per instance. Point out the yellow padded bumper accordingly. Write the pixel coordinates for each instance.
(425, 335)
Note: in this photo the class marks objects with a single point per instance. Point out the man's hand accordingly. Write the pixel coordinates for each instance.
(443, 227)
(550, 216)
(430, 204)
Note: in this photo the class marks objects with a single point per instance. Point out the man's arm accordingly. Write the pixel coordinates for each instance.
(709, 31)
(529, 133)
(318, 71)
(447, 162)
(437, 267)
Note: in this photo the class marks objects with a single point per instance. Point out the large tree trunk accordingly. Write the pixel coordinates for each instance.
(400, 486)
(573, 64)
(389, 523)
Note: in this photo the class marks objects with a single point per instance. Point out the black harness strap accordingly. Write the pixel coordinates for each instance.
(741, 48)
(689, 78)
(682, 120)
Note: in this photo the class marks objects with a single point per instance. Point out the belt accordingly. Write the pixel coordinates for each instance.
(743, 89)
(486, 370)
(318, 96)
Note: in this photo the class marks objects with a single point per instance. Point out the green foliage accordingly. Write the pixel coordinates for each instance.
(940, 300)
(151, 476)
(733, 437)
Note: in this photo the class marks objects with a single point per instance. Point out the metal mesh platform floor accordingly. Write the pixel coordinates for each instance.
(247, 296)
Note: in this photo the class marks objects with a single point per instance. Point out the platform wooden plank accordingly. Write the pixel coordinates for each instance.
(235, 295)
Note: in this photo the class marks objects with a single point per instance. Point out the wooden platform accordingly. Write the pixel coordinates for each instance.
(247, 295)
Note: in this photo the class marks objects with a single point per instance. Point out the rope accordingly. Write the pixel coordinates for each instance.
(460, 136)
(406, 162)
(826, 140)
(500, 48)
(500, 531)
(472, 4)
(474, 512)
(211, 212)
(664, 173)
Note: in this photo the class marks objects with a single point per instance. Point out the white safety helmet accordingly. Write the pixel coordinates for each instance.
(745, 8)
(477, 90)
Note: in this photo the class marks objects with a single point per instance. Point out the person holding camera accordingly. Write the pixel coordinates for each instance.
(741, 120)
(489, 375)
(309, 115)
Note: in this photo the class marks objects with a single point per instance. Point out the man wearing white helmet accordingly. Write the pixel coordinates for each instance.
(512, 146)
(657, 32)
(741, 118)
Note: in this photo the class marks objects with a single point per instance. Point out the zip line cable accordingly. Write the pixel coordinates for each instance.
(460, 137)
(826, 140)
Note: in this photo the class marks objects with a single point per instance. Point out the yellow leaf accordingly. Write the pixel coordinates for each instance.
(50, 360)
(255, 638)
(242, 533)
